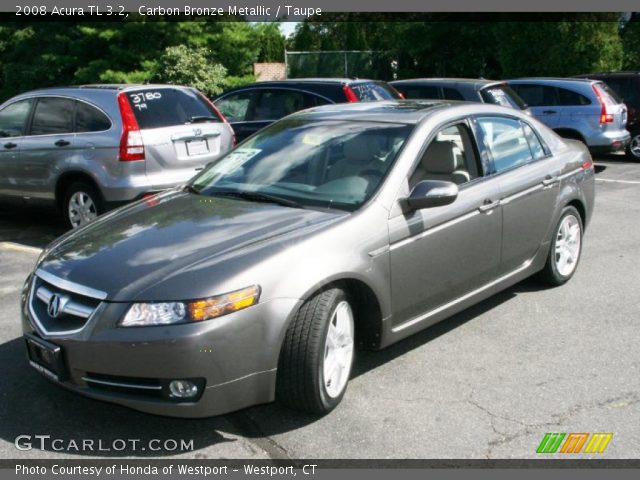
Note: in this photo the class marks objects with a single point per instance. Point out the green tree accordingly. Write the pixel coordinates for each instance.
(190, 66)
(631, 43)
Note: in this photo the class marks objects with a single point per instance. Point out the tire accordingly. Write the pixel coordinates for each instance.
(306, 380)
(633, 149)
(83, 199)
(564, 256)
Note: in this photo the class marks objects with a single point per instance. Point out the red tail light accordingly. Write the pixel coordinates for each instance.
(587, 164)
(131, 144)
(349, 94)
(605, 117)
(401, 96)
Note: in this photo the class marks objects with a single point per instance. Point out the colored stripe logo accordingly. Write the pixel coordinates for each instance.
(574, 442)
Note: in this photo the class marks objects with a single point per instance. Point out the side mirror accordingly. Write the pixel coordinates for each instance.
(432, 193)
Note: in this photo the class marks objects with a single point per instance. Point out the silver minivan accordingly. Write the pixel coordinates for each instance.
(93, 147)
(580, 109)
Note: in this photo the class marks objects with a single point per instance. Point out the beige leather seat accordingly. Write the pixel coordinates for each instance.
(441, 161)
(359, 155)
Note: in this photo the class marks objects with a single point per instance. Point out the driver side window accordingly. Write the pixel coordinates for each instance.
(450, 157)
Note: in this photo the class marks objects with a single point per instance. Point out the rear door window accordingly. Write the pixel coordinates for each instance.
(164, 107)
(90, 119)
(427, 92)
(506, 141)
(13, 118)
(373, 91)
(570, 98)
(536, 95)
(451, 94)
(52, 116)
(276, 103)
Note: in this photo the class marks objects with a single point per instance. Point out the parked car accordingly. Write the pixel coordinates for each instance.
(627, 86)
(92, 147)
(467, 89)
(580, 109)
(254, 106)
(337, 226)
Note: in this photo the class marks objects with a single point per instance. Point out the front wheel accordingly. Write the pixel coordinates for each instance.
(566, 248)
(633, 149)
(317, 354)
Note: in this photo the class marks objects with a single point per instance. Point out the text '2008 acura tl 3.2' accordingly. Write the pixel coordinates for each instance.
(338, 227)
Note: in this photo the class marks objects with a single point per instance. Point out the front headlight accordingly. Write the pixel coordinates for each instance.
(169, 313)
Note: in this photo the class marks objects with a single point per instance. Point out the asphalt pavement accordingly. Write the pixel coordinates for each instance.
(486, 383)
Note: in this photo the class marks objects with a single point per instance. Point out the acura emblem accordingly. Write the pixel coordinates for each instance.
(53, 307)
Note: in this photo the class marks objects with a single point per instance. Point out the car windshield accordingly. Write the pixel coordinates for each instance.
(308, 163)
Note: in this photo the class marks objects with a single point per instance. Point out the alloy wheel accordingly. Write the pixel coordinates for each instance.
(567, 245)
(338, 350)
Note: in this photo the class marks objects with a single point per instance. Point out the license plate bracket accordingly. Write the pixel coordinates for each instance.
(197, 147)
(46, 357)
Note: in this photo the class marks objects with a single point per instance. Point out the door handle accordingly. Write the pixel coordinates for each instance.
(549, 180)
(549, 112)
(62, 143)
(10, 145)
(488, 205)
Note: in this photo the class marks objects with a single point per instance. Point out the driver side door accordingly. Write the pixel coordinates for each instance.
(440, 254)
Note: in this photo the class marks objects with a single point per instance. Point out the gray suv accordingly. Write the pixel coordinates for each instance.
(585, 110)
(93, 147)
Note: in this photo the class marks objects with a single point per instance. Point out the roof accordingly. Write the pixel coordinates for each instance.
(470, 81)
(550, 79)
(390, 111)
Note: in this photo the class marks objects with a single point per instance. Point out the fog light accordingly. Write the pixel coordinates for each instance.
(183, 389)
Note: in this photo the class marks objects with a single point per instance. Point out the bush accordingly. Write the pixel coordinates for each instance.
(181, 65)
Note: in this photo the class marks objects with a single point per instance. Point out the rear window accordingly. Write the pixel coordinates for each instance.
(615, 98)
(417, 92)
(502, 95)
(164, 107)
(372, 91)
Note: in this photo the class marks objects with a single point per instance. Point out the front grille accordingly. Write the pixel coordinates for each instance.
(57, 310)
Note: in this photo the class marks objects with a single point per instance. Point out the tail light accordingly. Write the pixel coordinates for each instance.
(131, 144)
(349, 94)
(605, 116)
(587, 164)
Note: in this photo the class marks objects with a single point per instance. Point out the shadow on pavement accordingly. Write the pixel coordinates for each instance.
(30, 226)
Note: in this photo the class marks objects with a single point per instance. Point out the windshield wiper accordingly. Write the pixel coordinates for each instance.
(191, 189)
(203, 118)
(258, 197)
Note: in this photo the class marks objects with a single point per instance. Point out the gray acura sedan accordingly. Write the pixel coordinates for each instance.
(338, 227)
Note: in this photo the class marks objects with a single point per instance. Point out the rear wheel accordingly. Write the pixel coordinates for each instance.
(317, 354)
(633, 149)
(82, 204)
(566, 248)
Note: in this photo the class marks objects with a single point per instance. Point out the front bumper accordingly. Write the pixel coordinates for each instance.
(236, 355)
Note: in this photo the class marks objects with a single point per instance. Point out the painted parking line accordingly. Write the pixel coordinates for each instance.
(16, 247)
(611, 180)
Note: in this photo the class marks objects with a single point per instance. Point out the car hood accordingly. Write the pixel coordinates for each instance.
(140, 245)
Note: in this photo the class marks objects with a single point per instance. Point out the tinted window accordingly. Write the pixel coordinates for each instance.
(505, 139)
(536, 95)
(275, 104)
(537, 150)
(503, 95)
(372, 91)
(569, 97)
(164, 107)
(615, 98)
(235, 106)
(90, 119)
(420, 92)
(451, 94)
(52, 116)
(13, 118)
(625, 87)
